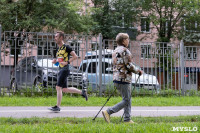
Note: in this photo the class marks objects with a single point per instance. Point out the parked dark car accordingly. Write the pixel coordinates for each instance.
(39, 72)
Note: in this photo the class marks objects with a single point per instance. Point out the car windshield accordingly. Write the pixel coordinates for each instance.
(46, 63)
(83, 67)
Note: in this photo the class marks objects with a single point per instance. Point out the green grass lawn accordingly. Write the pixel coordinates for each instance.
(87, 125)
(99, 101)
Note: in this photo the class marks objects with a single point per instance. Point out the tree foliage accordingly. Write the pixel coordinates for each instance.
(169, 16)
(111, 15)
(172, 19)
(41, 16)
(37, 15)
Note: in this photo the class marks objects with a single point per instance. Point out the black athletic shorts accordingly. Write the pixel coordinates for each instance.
(62, 77)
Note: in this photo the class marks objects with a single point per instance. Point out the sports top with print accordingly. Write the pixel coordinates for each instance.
(64, 51)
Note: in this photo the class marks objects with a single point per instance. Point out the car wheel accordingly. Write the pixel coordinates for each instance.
(13, 86)
(37, 85)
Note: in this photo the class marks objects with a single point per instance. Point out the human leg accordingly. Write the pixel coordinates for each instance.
(83, 93)
(71, 90)
(62, 75)
(106, 113)
(125, 91)
(59, 95)
(127, 108)
(120, 105)
(59, 98)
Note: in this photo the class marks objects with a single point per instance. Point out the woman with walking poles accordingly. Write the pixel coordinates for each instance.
(122, 77)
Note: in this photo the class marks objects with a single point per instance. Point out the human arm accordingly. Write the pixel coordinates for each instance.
(140, 72)
(74, 57)
(54, 61)
(128, 63)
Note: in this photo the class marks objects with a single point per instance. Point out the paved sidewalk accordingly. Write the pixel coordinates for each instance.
(79, 112)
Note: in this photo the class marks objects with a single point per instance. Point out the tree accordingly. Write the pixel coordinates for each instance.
(42, 15)
(102, 15)
(168, 15)
(34, 15)
(172, 19)
(114, 16)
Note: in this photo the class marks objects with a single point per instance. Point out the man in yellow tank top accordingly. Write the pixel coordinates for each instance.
(63, 56)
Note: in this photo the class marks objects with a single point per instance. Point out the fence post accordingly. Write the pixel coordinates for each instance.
(0, 59)
(100, 64)
(182, 66)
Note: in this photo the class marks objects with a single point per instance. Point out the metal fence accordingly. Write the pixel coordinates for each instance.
(26, 64)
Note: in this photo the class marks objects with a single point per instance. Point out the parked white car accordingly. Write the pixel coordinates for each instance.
(90, 69)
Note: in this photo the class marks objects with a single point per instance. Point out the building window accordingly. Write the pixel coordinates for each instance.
(44, 48)
(191, 53)
(18, 50)
(145, 51)
(16, 47)
(145, 24)
(165, 26)
(191, 25)
(94, 46)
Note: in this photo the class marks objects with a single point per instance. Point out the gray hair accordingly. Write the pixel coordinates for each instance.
(121, 37)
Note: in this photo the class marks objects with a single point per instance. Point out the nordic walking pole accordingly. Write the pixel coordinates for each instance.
(131, 95)
(103, 105)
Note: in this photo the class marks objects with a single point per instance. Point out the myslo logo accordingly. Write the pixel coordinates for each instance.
(185, 129)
